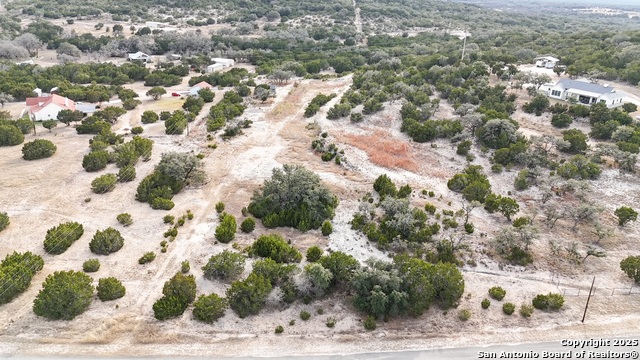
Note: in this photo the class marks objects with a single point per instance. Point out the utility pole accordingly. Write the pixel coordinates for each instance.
(588, 298)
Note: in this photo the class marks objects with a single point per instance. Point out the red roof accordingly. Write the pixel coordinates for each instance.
(36, 104)
(203, 85)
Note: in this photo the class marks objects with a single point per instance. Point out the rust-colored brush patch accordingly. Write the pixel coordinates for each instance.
(384, 150)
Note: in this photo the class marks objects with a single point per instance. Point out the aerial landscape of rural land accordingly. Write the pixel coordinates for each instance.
(366, 179)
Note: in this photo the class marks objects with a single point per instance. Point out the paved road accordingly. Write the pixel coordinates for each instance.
(555, 348)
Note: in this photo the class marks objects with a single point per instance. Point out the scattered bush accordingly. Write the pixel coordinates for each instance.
(110, 289)
(38, 149)
(60, 238)
(508, 308)
(631, 266)
(91, 265)
(16, 272)
(279, 329)
(10, 135)
(168, 307)
(106, 242)
(485, 303)
(219, 207)
(464, 314)
(551, 301)
(104, 184)
(225, 265)
(526, 310)
(95, 160)
(331, 322)
(304, 315)
(327, 228)
(126, 173)
(625, 214)
(4, 221)
(497, 293)
(226, 231)
(209, 308)
(64, 295)
(247, 297)
(248, 225)
(168, 219)
(314, 254)
(275, 247)
(370, 323)
(125, 219)
(149, 117)
(147, 258)
(185, 266)
(301, 202)
(136, 130)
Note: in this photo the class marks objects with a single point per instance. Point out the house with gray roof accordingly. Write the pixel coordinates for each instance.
(583, 92)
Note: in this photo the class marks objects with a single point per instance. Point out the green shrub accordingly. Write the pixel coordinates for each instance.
(126, 173)
(508, 308)
(106, 242)
(469, 228)
(314, 254)
(226, 231)
(275, 247)
(168, 219)
(294, 196)
(16, 272)
(464, 314)
(625, 214)
(485, 303)
(430, 208)
(304, 315)
(248, 225)
(4, 221)
(95, 160)
(555, 301)
(162, 204)
(497, 293)
(279, 329)
(526, 310)
(168, 307)
(147, 258)
(247, 297)
(149, 117)
(209, 308)
(110, 289)
(225, 265)
(38, 149)
(185, 266)
(104, 184)
(136, 130)
(631, 266)
(331, 322)
(60, 238)
(91, 265)
(327, 228)
(10, 135)
(219, 207)
(64, 295)
(370, 323)
(125, 219)
(173, 232)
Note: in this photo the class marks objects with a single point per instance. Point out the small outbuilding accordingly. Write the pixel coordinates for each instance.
(225, 62)
(214, 67)
(548, 62)
(139, 56)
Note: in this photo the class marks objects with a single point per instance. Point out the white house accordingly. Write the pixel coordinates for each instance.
(47, 107)
(214, 67)
(199, 86)
(548, 62)
(139, 56)
(583, 92)
(224, 62)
